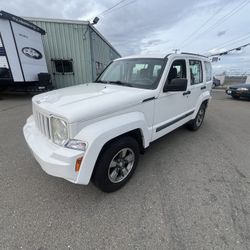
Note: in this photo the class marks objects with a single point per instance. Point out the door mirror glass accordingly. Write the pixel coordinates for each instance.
(176, 85)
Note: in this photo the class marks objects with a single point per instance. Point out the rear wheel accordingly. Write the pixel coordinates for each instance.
(116, 164)
(196, 123)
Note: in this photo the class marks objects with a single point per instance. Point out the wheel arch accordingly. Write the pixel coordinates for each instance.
(137, 134)
(100, 134)
(204, 99)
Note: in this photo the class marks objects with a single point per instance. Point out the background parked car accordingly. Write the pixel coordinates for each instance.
(239, 90)
(216, 82)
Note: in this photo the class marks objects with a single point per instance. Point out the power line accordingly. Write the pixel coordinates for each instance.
(201, 26)
(232, 41)
(112, 7)
(223, 18)
(230, 50)
(227, 16)
(131, 2)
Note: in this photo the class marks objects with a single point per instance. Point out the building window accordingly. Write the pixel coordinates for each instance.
(99, 68)
(63, 66)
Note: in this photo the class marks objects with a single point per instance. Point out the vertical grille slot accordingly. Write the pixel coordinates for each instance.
(43, 123)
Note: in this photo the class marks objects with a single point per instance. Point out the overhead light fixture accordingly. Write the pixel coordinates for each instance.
(96, 20)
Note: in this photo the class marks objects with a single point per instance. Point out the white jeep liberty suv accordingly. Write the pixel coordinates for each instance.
(96, 131)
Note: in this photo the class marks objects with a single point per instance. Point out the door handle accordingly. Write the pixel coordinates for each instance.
(204, 87)
(187, 92)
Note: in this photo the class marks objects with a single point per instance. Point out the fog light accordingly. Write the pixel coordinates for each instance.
(78, 164)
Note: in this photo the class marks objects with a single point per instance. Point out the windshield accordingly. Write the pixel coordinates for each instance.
(138, 73)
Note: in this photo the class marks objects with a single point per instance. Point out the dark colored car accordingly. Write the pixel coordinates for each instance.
(238, 91)
(216, 82)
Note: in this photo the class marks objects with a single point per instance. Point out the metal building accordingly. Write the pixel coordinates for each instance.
(75, 51)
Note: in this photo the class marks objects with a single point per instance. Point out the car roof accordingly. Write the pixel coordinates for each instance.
(170, 56)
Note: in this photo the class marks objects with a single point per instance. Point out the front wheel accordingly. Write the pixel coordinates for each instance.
(116, 164)
(196, 123)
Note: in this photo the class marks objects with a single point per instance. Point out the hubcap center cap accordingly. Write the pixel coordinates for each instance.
(121, 163)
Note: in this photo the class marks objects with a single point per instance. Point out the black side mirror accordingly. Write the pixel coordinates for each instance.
(176, 85)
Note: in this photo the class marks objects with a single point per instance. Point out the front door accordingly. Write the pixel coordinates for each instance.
(171, 108)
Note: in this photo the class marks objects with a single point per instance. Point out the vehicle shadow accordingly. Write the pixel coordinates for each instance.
(15, 95)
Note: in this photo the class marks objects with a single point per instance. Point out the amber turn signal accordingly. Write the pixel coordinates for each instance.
(78, 164)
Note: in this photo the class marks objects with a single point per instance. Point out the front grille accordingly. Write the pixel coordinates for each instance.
(43, 123)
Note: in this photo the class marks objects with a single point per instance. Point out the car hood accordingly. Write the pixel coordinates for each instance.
(243, 85)
(88, 101)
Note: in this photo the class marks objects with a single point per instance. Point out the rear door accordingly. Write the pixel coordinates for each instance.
(197, 84)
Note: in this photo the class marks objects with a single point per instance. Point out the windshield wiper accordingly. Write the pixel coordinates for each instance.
(100, 81)
(121, 83)
(116, 82)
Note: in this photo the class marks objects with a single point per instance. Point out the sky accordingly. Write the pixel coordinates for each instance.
(158, 26)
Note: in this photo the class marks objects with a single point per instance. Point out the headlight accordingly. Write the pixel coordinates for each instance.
(242, 89)
(59, 131)
(77, 145)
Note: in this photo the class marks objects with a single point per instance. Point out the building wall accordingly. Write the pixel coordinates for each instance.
(230, 80)
(73, 41)
(67, 41)
(102, 53)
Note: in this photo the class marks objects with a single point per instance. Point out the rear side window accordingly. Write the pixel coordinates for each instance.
(208, 69)
(195, 72)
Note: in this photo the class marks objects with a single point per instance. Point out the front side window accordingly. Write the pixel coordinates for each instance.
(208, 69)
(177, 70)
(195, 72)
(138, 73)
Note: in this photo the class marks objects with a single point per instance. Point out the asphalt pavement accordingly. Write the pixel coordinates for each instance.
(191, 190)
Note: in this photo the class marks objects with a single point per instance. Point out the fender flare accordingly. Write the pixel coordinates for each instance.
(96, 135)
(204, 97)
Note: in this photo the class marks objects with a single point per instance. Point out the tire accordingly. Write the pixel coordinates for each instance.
(196, 123)
(116, 164)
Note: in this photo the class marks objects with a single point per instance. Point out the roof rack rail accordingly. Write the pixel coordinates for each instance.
(167, 55)
(192, 54)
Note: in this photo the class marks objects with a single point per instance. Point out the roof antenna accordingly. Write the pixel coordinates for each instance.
(176, 50)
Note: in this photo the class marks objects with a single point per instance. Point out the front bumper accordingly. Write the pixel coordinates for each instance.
(232, 92)
(54, 160)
